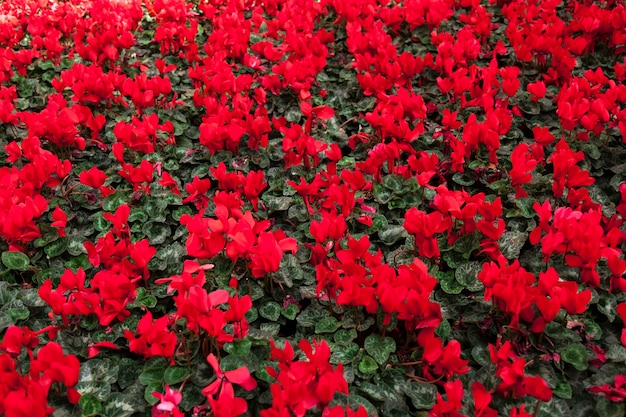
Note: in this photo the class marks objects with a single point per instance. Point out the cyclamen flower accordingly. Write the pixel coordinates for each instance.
(154, 337)
(168, 403)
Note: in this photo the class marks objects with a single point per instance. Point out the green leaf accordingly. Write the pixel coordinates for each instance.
(291, 311)
(100, 223)
(118, 405)
(443, 330)
(17, 314)
(90, 405)
(97, 389)
(392, 234)
(557, 331)
(129, 372)
(393, 183)
(270, 310)
(382, 195)
(16, 261)
(99, 370)
(311, 316)
(113, 201)
(511, 243)
(192, 396)
(232, 362)
(422, 396)
(463, 179)
(343, 337)
(153, 370)
(239, 347)
(344, 354)
(175, 374)
(448, 284)
(606, 408)
(275, 203)
(356, 401)
(152, 375)
(563, 390)
(377, 392)
(75, 246)
(157, 233)
(368, 365)
(379, 348)
(607, 305)
(466, 275)
(55, 248)
(176, 214)
(481, 355)
(78, 262)
(144, 298)
(526, 207)
(380, 222)
(5, 321)
(150, 388)
(576, 355)
(327, 325)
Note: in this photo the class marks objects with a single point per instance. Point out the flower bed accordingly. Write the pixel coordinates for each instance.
(312, 208)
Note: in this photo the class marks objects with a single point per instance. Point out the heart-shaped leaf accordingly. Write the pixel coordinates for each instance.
(15, 260)
(379, 348)
(576, 355)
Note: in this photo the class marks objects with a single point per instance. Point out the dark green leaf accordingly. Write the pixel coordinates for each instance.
(563, 390)
(291, 311)
(15, 260)
(466, 275)
(175, 374)
(343, 337)
(129, 372)
(97, 389)
(118, 405)
(150, 389)
(606, 408)
(327, 325)
(344, 354)
(238, 347)
(89, 404)
(157, 233)
(379, 348)
(423, 396)
(270, 310)
(75, 246)
(55, 248)
(311, 316)
(607, 305)
(113, 201)
(17, 314)
(5, 321)
(576, 355)
(391, 234)
(511, 243)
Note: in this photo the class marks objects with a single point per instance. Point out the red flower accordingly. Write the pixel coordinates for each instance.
(93, 177)
(60, 220)
(537, 89)
(453, 404)
(154, 337)
(266, 255)
(424, 227)
(168, 403)
(240, 376)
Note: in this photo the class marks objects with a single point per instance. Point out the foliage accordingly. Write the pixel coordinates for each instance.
(322, 208)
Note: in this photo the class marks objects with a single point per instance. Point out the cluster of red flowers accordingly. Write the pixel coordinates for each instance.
(26, 394)
(254, 52)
